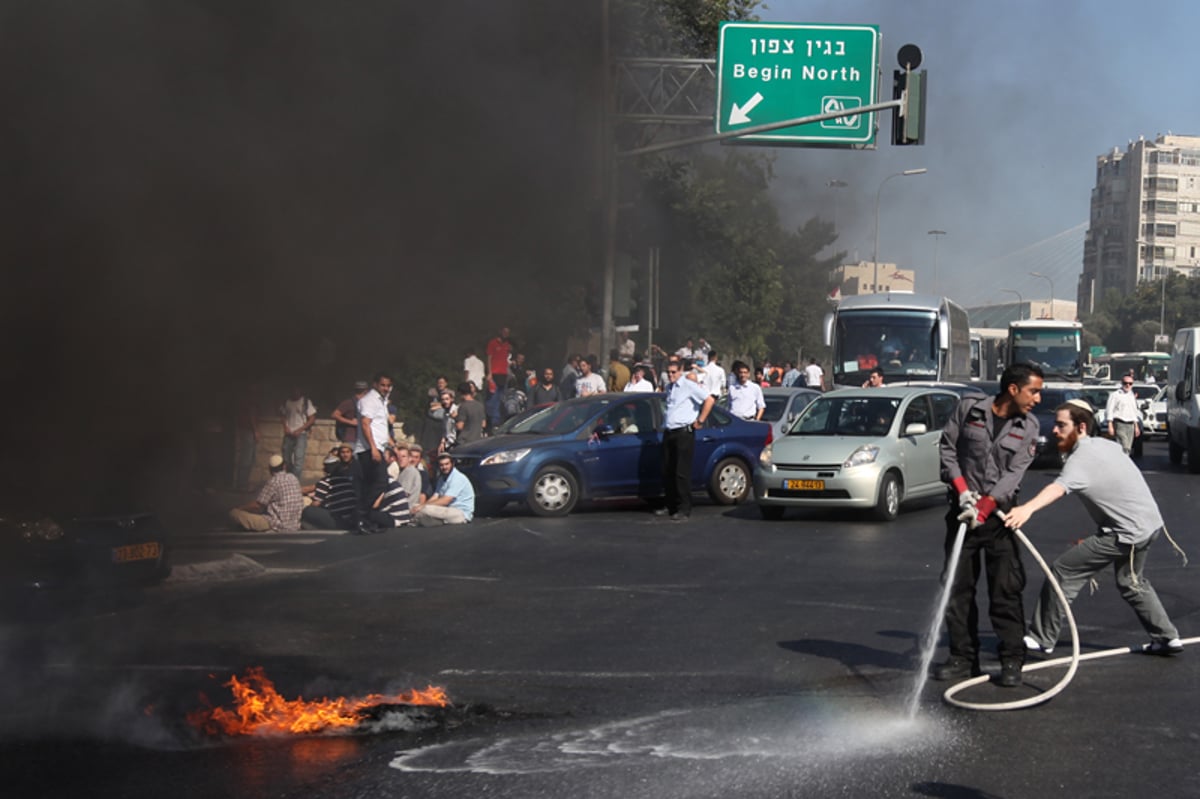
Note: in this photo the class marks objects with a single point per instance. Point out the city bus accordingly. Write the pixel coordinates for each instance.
(1143, 365)
(1052, 344)
(911, 337)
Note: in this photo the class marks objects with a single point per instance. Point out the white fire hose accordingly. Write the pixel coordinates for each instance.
(1074, 659)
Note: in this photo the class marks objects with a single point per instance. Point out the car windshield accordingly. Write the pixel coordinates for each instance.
(1146, 391)
(847, 416)
(563, 417)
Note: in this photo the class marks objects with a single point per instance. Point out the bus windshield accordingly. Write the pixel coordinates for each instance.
(902, 344)
(1055, 351)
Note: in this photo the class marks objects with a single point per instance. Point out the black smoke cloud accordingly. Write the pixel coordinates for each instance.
(198, 194)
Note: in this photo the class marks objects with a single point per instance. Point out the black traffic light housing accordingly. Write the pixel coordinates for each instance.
(908, 120)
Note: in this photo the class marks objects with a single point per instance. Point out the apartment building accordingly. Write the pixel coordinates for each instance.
(1144, 218)
(866, 277)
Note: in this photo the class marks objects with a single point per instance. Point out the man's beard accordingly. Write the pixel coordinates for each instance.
(1067, 442)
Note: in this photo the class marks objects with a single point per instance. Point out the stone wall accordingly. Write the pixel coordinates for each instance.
(321, 439)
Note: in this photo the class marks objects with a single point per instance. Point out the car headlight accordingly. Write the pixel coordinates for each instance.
(764, 457)
(505, 456)
(861, 456)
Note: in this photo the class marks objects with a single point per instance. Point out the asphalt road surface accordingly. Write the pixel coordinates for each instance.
(608, 654)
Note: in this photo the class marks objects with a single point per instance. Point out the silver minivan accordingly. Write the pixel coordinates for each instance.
(1183, 399)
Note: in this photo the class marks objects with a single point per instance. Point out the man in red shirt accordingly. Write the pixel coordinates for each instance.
(498, 351)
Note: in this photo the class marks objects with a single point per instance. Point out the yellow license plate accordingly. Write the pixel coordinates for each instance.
(804, 485)
(133, 552)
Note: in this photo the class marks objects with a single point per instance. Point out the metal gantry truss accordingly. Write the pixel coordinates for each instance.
(654, 92)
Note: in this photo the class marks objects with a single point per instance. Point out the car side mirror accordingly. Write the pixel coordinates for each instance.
(916, 429)
(604, 431)
(1179, 391)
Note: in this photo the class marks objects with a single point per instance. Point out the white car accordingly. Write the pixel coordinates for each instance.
(1155, 414)
(868, 448)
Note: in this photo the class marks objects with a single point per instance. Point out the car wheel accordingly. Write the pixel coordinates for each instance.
(887, 507)
(771, 513)
(1193, 452)
(1174, 452)
(554, 492)
(730, 482)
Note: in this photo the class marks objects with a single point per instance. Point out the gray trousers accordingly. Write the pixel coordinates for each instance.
(1123, 433)
(1074, 567)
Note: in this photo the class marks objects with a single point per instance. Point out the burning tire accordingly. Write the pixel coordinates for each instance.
(730, 482)
(554, 492)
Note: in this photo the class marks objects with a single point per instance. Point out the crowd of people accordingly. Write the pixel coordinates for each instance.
(375, 481)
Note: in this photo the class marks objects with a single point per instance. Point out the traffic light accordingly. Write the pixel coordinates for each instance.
(908, 120)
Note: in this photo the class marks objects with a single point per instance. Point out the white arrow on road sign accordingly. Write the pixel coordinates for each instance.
(740, 116)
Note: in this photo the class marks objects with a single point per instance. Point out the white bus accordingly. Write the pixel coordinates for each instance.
(1052, 344)
(911, 337)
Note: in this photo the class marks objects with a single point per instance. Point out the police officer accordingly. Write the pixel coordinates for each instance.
(985, 449)
(688, 405)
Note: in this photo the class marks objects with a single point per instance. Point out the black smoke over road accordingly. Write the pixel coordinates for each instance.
(198, 194)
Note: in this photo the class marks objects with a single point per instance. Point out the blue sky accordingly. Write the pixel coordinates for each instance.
(1021, 102)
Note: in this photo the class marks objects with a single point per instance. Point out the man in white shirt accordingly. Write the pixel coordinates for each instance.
(373, 437)
(715, 374)
(588, 382)
(298, 414)
(638, 381)
(1122, 414)
(473, 370)
(745, 396)
(814, 376)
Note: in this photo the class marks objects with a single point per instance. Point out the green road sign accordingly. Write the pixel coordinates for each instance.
(776, 71)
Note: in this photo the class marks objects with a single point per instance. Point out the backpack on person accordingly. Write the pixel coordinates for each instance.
(514, 402)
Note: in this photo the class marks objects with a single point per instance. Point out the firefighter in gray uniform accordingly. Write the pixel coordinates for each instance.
(985, 449)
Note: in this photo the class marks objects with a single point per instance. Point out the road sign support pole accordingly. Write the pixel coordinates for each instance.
(747, 131)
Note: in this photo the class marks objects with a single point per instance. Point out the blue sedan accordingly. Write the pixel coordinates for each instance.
(602, 447)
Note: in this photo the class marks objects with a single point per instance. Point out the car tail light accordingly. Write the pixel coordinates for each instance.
(770, 436)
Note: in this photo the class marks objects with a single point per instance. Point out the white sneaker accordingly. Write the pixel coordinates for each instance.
(1033, 646)
(1172, 647)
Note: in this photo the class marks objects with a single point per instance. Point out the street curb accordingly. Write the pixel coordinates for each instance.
(234, 567)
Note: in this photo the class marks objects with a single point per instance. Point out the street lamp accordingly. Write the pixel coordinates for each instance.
(937, 235)
(1020, 302)
(906, 173)
(1051, 282)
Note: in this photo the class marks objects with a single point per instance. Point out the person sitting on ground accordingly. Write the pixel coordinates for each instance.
(453, 498)
(334, 500)
(390, 509)
(277, 506)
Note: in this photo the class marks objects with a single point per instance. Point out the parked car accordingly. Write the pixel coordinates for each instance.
(857, 448)
(784, 405)
(604, 446)
(1154, 414)
(79, 553)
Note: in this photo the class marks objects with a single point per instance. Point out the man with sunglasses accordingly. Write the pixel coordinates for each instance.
(1122, 414)
(688, 406)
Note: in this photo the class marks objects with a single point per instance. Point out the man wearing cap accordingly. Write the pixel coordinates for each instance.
(335, 501)
(277, 506)
(1115, 494)
(345, 415)
(453, 499)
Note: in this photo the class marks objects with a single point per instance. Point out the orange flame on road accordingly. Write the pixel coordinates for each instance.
(260, 709)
